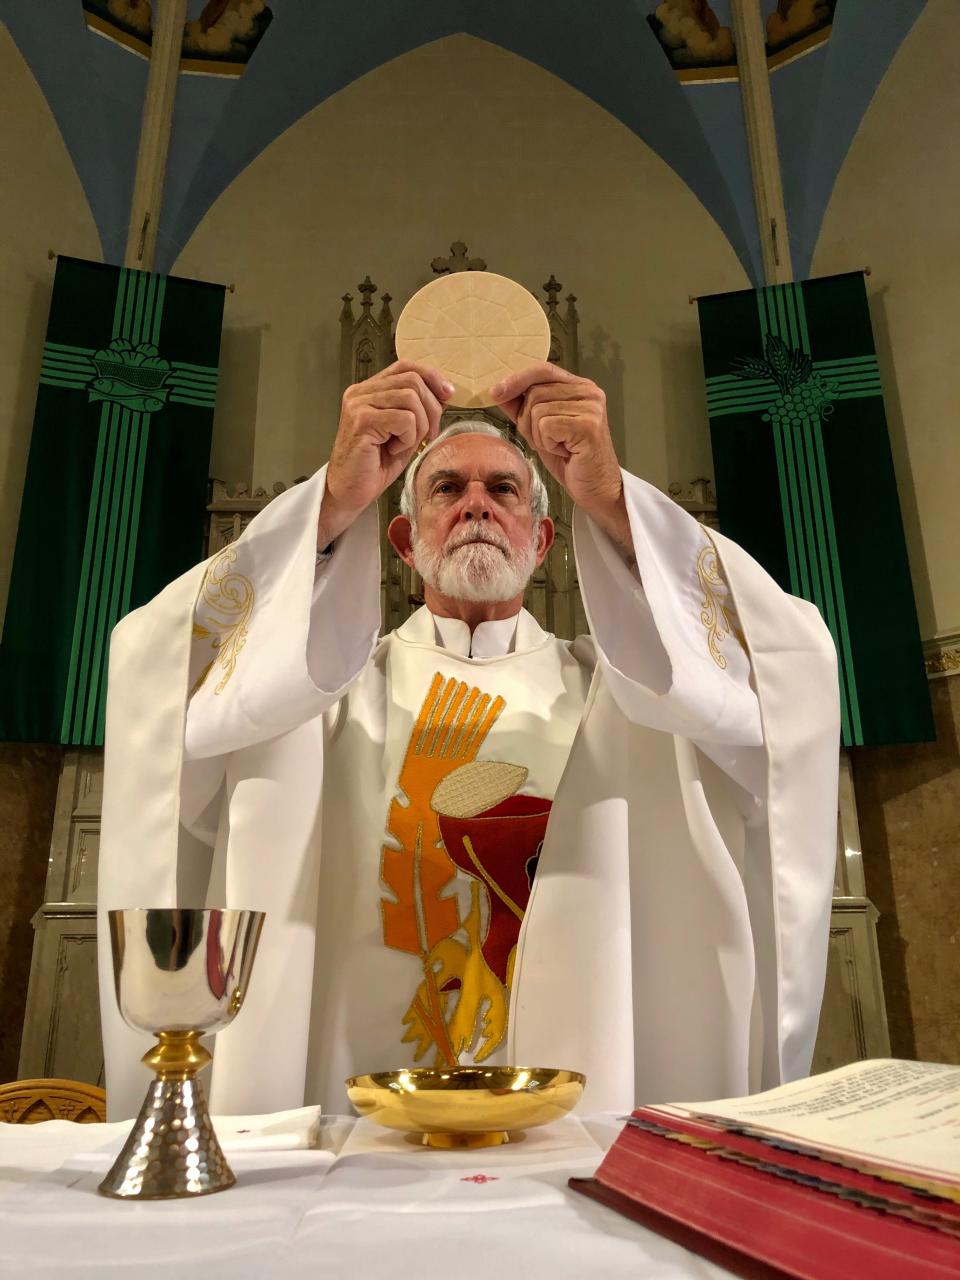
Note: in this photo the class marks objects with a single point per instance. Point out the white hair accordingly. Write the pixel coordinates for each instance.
(539, 503)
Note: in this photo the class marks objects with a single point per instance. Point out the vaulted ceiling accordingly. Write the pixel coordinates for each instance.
(609, 52)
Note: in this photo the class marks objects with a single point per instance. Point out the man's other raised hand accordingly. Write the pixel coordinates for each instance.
(564, 418)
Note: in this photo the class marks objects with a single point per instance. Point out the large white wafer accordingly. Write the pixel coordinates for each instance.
(476, 328)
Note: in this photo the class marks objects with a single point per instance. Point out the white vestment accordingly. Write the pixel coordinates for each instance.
(674, 941)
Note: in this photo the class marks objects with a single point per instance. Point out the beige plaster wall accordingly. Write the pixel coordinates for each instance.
(42, 207)
(895, 208)
(458, 140)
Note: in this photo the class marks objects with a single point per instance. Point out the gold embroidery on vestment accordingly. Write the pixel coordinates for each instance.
(474, 787)
(491, 884)
(228, 598)
(717, 612)
(200, 678)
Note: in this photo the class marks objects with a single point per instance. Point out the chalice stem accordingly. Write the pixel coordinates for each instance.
(172, 1151)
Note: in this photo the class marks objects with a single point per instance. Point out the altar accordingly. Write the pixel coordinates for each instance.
(325, 1196)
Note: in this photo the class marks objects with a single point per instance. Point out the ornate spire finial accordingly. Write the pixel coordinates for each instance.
(458, 261)
(368, 289)
(552, 288)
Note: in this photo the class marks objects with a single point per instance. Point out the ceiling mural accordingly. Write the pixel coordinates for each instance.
(128, 22)
(697, 37)
(698, 46)
(662, 69)
(797, 26)
(221, 40)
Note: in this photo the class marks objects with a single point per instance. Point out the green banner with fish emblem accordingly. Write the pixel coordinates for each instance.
(114, 500)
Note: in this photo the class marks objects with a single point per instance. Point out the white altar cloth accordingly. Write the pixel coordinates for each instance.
(328, 1196)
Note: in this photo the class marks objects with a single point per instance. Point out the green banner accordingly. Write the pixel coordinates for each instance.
(805, 483)
(115, 494)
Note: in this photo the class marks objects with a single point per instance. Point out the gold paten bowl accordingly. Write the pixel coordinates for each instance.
(466, 1106)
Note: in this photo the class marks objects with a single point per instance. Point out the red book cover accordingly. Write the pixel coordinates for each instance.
(759, 1225)
(830, 1176)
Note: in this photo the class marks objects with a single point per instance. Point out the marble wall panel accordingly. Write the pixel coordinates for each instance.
(28, 791)
(908, 799)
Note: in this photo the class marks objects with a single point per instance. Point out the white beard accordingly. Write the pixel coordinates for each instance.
(474, 570)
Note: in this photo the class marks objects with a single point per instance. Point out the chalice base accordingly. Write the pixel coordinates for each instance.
(172, 1152)
(464, 1141)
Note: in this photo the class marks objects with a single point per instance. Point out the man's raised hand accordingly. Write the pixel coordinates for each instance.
(383, 422)
(565, 419)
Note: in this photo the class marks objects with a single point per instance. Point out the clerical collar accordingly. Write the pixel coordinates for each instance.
(489, 640)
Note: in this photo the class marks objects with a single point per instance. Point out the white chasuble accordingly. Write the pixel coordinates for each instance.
(435, 805)
(614, 855)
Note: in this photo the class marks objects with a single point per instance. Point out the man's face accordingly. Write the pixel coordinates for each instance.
(476, 537)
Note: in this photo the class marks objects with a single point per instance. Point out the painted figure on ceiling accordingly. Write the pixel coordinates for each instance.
(796, 21)
(692, 36)
(225, 36)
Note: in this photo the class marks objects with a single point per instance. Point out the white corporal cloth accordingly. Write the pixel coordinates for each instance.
(362, 1202)
(674, 941)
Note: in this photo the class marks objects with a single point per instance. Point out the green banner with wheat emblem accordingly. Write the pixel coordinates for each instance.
(114, 500)
(805, 483)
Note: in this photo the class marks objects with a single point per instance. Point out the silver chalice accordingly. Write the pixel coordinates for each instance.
(180, 974)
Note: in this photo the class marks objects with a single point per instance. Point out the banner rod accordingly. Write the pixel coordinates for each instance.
(695, 297)
(230, 288)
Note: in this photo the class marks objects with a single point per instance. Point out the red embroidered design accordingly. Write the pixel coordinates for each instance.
(454, 813)
(480, 1177)
(500, 847)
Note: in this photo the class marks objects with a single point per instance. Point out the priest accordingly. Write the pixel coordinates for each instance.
(475, 842)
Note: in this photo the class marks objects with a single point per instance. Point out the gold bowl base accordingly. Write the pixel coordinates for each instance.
(464, 1141)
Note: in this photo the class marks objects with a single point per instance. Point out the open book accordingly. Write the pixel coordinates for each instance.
(852, 1173)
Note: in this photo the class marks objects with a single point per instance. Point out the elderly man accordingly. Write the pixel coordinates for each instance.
(475, 842)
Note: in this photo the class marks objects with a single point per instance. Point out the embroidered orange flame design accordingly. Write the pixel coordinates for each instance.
(449, 730)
